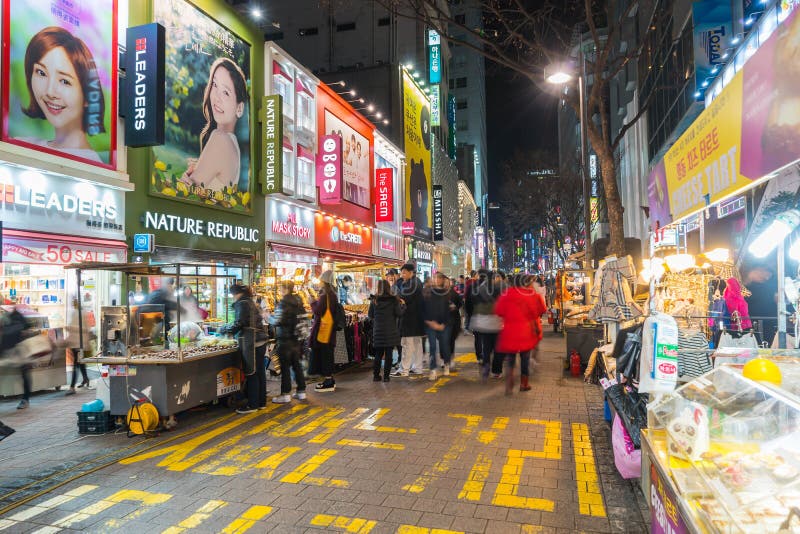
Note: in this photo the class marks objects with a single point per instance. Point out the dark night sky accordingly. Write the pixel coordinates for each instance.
(518, 116)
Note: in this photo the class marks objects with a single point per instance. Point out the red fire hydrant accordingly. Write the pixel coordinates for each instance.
(574, 363)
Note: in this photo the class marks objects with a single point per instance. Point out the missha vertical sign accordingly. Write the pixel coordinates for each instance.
(329, 169)
(438, 213)
(144, 85)
(384, 195)
(272, 144)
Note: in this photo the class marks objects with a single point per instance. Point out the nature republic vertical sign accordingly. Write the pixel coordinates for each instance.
(417, 140)
(205, 159)
(272, 144)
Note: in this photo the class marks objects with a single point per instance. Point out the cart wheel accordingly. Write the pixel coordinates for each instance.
(58, 388)
(230, 402)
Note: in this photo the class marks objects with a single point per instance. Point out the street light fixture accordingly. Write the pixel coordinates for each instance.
(559, 75)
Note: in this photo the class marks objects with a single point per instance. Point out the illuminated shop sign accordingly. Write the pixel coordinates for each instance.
(199, 227)
(144, 82)
(272, 143)
(384, 195)
(438, 213)
(289, 223)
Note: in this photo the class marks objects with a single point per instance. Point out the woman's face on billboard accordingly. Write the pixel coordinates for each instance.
(223, 100)
(57, 90)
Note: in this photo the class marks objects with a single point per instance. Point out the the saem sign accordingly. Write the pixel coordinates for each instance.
(384, 195)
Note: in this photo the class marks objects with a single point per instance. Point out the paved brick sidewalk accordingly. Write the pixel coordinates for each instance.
(409, 456)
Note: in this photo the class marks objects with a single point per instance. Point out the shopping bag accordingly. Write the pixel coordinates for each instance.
(627, 457)
(326, 324)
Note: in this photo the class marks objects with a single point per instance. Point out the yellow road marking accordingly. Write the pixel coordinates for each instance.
(552, 438)
(488, 436)
(411, 529)
(371, 444)
(333, 425)
(283, 430)
(369, 423)
(175, 454)
(246, 521)
(147, 499)
(197, 518)
(270, 464)
(442, 466)
(438, 384)
(348, 524)
(468, 357)
(531, 529)
(47, 505)
(590, 498)
(309, 466)
(473, 487)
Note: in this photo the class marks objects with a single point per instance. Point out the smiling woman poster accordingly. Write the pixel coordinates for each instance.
(60, 87)
(205, 158)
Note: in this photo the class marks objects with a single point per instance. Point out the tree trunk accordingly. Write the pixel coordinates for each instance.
(613, 200)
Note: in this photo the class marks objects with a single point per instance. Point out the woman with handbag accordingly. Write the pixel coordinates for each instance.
(521, 309)
(248, 328)
(323, 331)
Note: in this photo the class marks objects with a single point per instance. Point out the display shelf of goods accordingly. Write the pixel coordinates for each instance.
(731, 447)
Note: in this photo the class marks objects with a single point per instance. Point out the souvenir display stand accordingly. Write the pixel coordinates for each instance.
(721, 452)
(153, 355)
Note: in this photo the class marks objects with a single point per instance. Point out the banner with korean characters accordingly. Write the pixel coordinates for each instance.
(746, 134)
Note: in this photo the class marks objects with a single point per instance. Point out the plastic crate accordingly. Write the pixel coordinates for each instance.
(95, 422)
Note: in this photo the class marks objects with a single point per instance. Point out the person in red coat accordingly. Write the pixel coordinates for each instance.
(521, 309)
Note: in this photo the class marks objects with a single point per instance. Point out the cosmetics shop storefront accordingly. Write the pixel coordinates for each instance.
(51, 220)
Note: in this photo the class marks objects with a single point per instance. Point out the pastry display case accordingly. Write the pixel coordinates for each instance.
(724, 456)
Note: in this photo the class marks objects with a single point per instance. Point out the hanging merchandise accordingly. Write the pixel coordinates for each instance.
(658, 365)
(693, 359)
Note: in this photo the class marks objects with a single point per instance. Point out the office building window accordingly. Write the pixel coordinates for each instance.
(462, 125)
(451, 83)
(461, 83)
(305, 32)
(461, 104)
(460, 19)
(383, 21)
(346, 27)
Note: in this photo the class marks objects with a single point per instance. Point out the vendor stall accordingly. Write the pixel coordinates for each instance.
(158, 350)
(721, 453)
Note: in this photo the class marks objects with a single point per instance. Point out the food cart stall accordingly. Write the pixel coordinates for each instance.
(152, 354)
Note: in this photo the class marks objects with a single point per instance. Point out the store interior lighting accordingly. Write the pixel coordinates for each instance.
(256, 13)
(679, 262)
(783, 225)
(718, 255)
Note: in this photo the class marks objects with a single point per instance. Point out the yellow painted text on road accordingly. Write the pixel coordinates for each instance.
(301, 474)
(346, 524)
(197, 518)
(590, 498)
(247, 520)
(371, 444)
(369, 423)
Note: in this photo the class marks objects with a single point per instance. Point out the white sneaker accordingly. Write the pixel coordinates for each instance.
(400, 373)
(446, 370)
(300, 395)
(433, 375)
(282, 399)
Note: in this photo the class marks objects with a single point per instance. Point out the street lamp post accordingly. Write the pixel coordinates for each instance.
(560, 76)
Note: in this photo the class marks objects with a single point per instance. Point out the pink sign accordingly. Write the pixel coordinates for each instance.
(384, 195)
(329, 169)
(408, 227)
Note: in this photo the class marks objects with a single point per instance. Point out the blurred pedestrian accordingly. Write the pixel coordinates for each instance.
(437, 323)
(323, 332)
(284, 319)
(486, 324)
(392, 276)
(409, 289)
(456, 303)
(79, 338)
(248, 316)
(521, 309)
(385, 310)
(476, 278)
(13, 326)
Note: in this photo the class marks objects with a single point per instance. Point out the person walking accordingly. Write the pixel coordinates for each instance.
(323, 331)
(409, 289)
(77, 336)
(521, 309)
(456, 303)
(471, 285)
(248, 316)
(12, 329)
(485, 324)
(385, 310)
(392, 276)
(284, 319)
(437, 323)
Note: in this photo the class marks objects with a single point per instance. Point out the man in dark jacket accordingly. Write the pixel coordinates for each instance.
(385, 311)
(392, 277)
(409, 289)
(247, 316)
(12, 328)
(437, 323)
(285, 319)
(470, 292)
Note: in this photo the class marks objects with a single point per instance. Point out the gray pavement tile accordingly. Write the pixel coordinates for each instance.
(495, 513)
(433, 520)
(403, 516)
